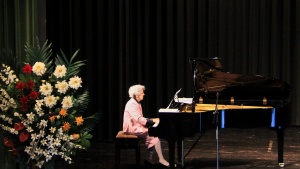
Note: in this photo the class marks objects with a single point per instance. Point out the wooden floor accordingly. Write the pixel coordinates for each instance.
(239, 148)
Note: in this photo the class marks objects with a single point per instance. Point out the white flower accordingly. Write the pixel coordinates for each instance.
(46, 89)
(67, 102)
(28, 149)
(50, 101)
(52, 129)
(75, 82)
(40, 163)
(56, 142)
(43, 123)
(42, 134)
(29, 129)
(60, 131)
(39, 68)
(38, 107)
(39, 103)
(34, 136)
(38, 150)
(40, 113)
(62, 87)
(49, 137)
(43, 142)
(30, 116)
(60, 71)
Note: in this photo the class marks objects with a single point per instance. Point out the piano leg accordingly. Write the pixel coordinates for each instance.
(280, 123)
(180, 153)
(171, 143)
(280, 142)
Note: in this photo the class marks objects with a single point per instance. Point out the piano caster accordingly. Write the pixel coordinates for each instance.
(281, 165)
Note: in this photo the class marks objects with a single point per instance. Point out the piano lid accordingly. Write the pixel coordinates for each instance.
(209, 79)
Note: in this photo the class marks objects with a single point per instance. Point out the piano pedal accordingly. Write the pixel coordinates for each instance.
(281, 165)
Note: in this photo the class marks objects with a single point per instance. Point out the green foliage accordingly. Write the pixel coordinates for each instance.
(91, 122)
(9, 58)
(36, 53)
(73, 67)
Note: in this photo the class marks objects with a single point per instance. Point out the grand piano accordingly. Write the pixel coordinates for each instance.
(214, 90)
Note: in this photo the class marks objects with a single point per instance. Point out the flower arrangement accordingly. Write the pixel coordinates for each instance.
(42, 111)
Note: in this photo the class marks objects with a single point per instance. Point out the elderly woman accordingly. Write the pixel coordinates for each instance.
(135, 123)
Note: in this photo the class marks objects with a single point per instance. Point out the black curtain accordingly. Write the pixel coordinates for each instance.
(150, 42)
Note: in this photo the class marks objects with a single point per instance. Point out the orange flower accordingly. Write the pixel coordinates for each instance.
(66, 126)
(63, 112)
(75, 136)
(52, 118)
(79, 120)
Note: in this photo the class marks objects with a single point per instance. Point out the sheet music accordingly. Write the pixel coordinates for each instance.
(163, 110)
(185, 100)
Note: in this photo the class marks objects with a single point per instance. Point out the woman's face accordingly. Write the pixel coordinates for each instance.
(140, 97)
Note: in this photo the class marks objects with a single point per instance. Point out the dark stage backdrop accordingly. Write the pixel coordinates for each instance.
(149, 42)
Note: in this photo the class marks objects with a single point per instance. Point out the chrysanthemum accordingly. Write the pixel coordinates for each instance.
(60, 71)
(79, 120)
(62, 87)
(63, 112)
(27, 69)
(52, 118)
(46, 89)
(67, 102)
(50, 101)
(34, 95)
(20, 86)
(39, 68)
(66, 126)
(75, 82)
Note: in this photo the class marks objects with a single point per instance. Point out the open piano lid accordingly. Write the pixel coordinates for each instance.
(210, 79)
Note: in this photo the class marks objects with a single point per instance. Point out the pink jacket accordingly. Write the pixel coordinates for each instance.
(133, 121)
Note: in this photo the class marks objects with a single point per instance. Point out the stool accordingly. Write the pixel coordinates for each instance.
(127, 141)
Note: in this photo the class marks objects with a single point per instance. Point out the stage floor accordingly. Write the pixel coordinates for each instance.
(239, 148)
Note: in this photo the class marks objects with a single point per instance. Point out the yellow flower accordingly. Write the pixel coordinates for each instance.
(66, 126)
(39, 68)
(63, 112)
(79, 120)
(75, 82)
(67, 102)
(62, 87)
(50, 101)
(46, 89)
(60, 71)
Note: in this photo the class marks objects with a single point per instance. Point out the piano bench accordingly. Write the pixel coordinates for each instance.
(127, 141)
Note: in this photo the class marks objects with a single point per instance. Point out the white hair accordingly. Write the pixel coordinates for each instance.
(136, 90)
